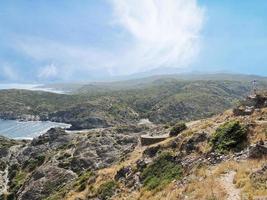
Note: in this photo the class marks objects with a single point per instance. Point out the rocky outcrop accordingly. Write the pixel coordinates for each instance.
(252, 102)
(55, 137)
(44, 181)
(258, 151)
(56, 158)
(151, 151)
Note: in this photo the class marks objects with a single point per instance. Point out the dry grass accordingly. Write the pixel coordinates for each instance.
(204, 185)
(242, 179)
(170, 192)
(258, 133)
(205, 182)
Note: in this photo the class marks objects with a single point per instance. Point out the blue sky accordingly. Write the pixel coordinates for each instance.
(45, 40)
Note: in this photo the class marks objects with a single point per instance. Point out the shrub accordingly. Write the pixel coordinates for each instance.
(106, 190)
(229, 136)
(81, 181)
(177, 128)
(161, 172)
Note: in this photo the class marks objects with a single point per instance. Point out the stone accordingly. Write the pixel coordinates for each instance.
(123, 173)
(151, 151)
(258, 151)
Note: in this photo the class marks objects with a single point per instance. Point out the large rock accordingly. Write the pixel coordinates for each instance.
(123, 173)
(55, 137)
(44, 182)
(151, 151)
(258, 151)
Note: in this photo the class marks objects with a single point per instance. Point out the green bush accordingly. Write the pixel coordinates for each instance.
(229, 136)
(106, 190)
(81, 181)
(177, 128)
(161, 172)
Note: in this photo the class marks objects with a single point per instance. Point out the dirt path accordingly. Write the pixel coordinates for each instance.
(227, 183)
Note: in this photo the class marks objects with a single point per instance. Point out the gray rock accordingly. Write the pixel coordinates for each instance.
(45, 181)
(257, 151)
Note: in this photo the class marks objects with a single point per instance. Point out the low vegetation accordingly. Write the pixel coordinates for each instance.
(161, 172)
(82, 180)
(106, 190)
(229, 136)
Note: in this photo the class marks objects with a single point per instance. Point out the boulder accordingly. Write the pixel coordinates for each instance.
(151, 151)
(177, 128)
(123, 173)
(258, 151)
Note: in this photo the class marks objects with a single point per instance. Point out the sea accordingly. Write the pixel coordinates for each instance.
(26, 130)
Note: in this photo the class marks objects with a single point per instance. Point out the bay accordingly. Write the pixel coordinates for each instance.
(26, 130)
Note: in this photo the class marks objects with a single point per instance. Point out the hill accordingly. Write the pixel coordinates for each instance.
(160, 99)
(223, 157)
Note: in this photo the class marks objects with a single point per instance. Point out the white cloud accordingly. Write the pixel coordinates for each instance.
(165, 32)
(48, 72)
(158, 33)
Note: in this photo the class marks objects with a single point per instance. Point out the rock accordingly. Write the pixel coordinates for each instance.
(39, 187)
(123, 173)
(215, 158)
(191, 145)
(176, 129)
(257, 151)
(78, 164)
(3, 152)
(54, 135)
(141, 164)
(151, 151)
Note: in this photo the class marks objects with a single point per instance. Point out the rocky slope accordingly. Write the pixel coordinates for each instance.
(223, 157)
(36, 169)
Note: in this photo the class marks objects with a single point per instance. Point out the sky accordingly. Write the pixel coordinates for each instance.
(83, 40)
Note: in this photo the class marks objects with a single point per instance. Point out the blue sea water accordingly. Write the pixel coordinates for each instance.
(26, 130)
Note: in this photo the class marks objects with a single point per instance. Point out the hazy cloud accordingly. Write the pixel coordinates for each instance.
(157, 33)
(8, 72)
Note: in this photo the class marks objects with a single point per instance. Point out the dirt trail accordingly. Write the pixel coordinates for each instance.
(227, 182)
